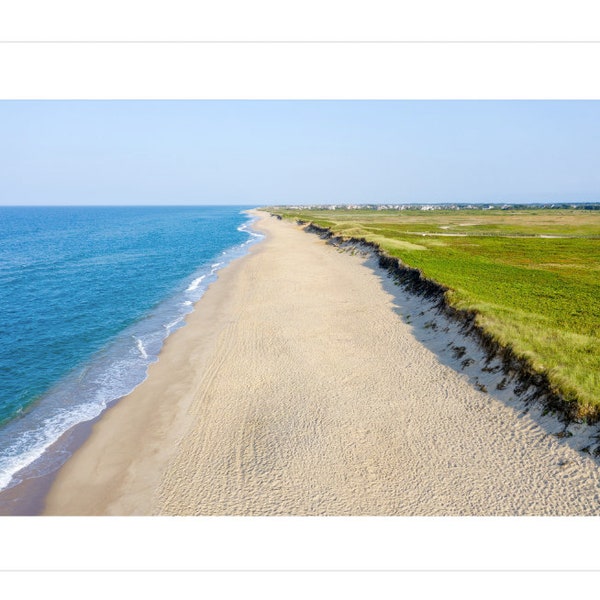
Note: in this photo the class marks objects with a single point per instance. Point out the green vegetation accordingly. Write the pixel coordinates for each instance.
(532, 276)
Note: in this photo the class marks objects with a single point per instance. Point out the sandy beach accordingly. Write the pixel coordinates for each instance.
(299, 387)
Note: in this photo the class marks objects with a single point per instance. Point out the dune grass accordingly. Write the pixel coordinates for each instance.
(532, 277)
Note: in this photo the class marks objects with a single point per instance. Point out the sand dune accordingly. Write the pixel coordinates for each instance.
(296, 388)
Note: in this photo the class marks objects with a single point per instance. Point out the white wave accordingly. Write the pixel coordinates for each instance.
(36, 442)
(140, 347)
(245, 228)
(172, 324)
(194, 285)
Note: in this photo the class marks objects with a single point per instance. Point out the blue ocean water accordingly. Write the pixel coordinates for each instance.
(87, 297)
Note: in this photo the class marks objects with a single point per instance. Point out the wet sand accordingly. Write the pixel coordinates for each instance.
(297, 388)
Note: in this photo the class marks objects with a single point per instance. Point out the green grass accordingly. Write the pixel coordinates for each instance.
(540, 295)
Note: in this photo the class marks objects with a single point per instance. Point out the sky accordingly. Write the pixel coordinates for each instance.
(127, 152)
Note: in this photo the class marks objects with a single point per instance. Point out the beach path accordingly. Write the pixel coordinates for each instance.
(297, 389)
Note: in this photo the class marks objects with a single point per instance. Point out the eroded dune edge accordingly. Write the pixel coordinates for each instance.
(532, 385)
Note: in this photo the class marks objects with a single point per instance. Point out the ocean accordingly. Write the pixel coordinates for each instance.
(87, 297)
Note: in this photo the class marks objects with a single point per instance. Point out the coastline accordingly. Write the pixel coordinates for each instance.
(295, 388)
(110, 446)
(31, 483)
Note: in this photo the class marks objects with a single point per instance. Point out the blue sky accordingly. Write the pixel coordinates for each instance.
(288, 152)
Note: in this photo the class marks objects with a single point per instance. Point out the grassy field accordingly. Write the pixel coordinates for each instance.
(532, 276)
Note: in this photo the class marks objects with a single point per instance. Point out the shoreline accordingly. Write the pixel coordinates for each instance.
(296, 389)
(27, 497)
(127, 410)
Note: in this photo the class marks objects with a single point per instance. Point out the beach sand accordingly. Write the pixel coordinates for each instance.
(297, 388)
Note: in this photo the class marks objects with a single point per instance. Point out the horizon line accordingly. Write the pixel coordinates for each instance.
(449, 202)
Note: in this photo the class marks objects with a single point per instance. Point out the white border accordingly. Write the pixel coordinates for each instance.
(299, 71)
(274, 20)
(300, 543)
